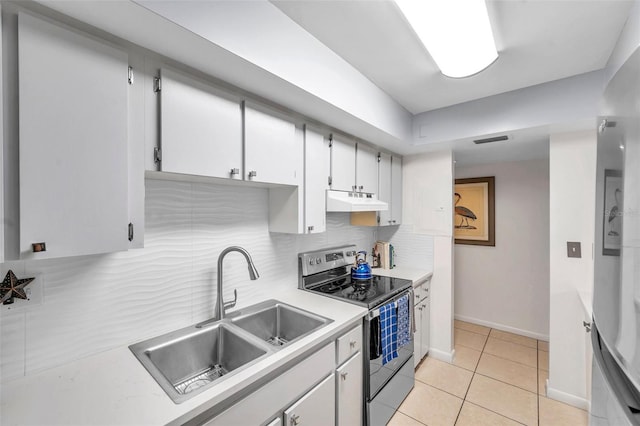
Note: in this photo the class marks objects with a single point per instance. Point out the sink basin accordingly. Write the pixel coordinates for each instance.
(188, 361)
(277, 323)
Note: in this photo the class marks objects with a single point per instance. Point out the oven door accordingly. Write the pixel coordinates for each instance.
(377, 375)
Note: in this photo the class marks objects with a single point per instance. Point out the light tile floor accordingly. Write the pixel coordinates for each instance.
(497, 378)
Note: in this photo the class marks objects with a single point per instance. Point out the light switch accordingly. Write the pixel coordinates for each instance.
(573, 249)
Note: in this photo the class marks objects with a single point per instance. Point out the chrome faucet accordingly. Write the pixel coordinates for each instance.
(253, 274)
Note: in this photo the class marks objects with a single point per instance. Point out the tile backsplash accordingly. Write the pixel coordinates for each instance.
(94, 303)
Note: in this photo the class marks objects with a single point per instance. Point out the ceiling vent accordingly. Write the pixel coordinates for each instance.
(493, 139)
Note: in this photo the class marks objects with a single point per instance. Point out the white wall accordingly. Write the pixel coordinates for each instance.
(507, 286)
(427, 220)
(572, 178)
(93, 303)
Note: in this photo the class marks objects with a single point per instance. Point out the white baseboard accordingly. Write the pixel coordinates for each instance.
(503, 327)
(567, 398)
(442, 355)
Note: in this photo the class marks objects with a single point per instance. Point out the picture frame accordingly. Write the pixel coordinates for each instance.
(612, 213)
(474, 211)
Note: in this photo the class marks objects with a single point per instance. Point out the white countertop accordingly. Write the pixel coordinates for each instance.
(113, 388)
(414, 274)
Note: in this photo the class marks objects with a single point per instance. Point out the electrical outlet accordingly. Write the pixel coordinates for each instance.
(573, 249)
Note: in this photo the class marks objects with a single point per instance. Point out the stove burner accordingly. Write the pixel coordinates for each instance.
(358, 292)
(361, 284)
(333, 286)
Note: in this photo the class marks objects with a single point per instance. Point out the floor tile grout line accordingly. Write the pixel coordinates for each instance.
(506, 383)
(517, 362)
(469, 387)
(502, 340)
(441, 390)
(495, 412)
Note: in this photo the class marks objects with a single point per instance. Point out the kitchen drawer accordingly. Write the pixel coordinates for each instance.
(348, 344)
(417, 295)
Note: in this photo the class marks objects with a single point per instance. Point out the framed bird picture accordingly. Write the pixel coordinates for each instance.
(612, 218)
(474, 211)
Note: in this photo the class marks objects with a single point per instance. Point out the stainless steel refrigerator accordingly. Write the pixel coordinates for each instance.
(615, 332)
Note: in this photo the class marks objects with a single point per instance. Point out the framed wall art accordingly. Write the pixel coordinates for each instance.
(612, 217)
(474, 211)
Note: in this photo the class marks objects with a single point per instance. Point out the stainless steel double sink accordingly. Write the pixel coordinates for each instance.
(188, 361)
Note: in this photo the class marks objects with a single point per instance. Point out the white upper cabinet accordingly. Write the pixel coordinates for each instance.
(73, 106)
(366, 169)
(390, 189)
(201, 128)
(384, 188)
(343, 161)
(396, 190)
(273, 154)
(316, 180)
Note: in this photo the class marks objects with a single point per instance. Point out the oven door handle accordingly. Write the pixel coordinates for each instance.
(376, 312)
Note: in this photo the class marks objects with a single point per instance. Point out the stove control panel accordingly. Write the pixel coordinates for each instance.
(323, 260)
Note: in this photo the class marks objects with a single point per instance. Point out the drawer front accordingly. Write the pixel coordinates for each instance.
(348, 344)
(316, 408)
(264, 403)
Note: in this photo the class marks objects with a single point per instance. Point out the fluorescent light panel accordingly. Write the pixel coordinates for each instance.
(457, 33)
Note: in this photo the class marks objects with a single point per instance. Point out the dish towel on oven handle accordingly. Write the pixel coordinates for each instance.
(389, 332)
(404, 328)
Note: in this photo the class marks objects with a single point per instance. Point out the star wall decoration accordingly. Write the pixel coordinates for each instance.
(12, 287)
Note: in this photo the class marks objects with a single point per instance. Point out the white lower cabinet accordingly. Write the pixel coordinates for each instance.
(422, 312)
(349, 395)
(276, 422)
(316, 407)
(312, 392)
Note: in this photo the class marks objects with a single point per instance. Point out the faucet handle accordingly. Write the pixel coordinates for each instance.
(233, 303)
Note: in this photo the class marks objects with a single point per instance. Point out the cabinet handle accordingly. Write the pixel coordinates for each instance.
(344, 375)
(393, 221)
(355, 188)
(252, 174)
(587, 326)
(361, 188)
(352, 343)
(234, 172)
(295, 419)
(310, 228)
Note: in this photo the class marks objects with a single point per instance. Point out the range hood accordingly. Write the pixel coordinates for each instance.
(343, 201)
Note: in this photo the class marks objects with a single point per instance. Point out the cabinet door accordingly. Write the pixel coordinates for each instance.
(276, 422)
(349, 398)
(425, 321)
(396, 190)
(417, 336)
(73, 142)
(384, 188)
(272, 152)
(343, 164)
(316, 181)
(366, 169)
(201, 130)
(316, 407)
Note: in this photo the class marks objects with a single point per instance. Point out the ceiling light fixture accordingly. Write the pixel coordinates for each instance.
(457, 33)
